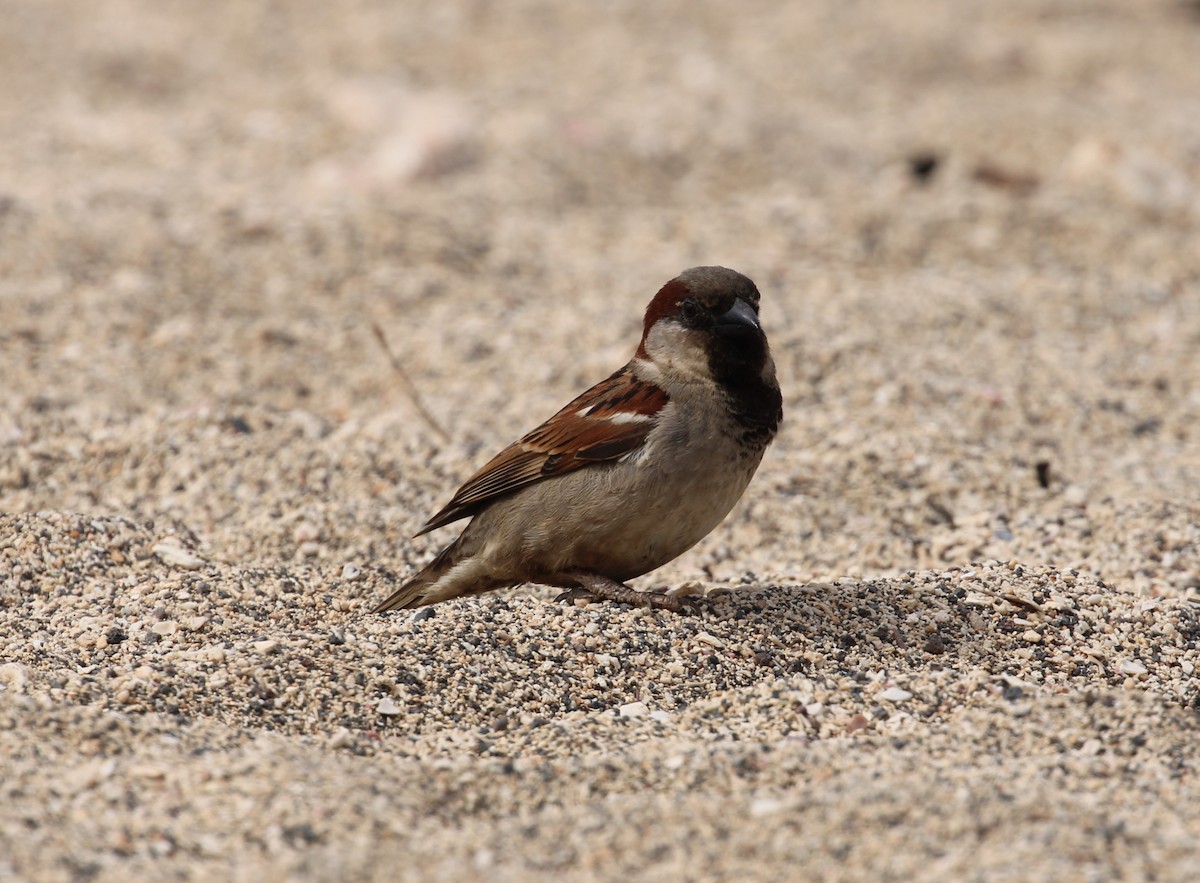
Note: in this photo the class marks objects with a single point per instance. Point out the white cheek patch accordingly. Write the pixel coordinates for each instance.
(644, 369)
(678, 350)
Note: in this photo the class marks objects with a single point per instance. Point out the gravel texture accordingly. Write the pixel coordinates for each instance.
(951, 632)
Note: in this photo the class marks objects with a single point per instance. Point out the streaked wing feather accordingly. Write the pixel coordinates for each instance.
(610, 420)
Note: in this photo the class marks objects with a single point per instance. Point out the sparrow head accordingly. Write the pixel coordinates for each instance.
(705, 321)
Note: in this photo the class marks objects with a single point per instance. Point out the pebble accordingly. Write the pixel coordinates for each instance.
(895, 694)
(687, 588)
(174, 554)
(769, 806)
(387, 706)
(305, 532)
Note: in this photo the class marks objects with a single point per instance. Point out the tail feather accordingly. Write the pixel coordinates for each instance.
(414, 592)
(449, 575)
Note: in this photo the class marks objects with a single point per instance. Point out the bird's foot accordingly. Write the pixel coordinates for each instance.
(593, 587)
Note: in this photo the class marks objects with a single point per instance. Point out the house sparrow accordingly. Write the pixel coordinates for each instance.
(632, 473)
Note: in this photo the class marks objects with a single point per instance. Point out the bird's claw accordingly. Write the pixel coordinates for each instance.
(571, 596)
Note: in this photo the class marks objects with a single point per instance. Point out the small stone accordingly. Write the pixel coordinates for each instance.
(1132, 667)
(858, 722)
(633, 709)
(1013, 683)
(1031, 637)
(306, 532)
(387, 706)
(895, 694)
(689, 588)
(165, 628)
(265, 648)
(171, 551)
(147, 771)
(711, 640)
(769, 806)
(1074, 495)
(351, 572)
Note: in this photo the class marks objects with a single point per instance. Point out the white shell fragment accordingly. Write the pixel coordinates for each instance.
(387, 706)
(171, 551)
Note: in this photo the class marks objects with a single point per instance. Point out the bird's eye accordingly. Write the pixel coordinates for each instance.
(690, 310)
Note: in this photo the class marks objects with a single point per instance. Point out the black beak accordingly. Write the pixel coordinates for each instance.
(739, 319)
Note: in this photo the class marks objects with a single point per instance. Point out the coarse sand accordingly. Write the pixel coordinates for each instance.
(951, 631)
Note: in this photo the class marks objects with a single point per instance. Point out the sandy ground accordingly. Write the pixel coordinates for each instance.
(954, 625)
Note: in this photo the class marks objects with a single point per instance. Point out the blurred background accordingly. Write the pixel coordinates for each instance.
(974, 226)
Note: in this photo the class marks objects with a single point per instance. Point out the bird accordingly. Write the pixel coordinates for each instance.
(630, 474)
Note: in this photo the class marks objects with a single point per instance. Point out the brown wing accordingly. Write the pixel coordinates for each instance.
(609, 420)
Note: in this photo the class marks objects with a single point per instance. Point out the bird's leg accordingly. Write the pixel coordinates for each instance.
(593, 586)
